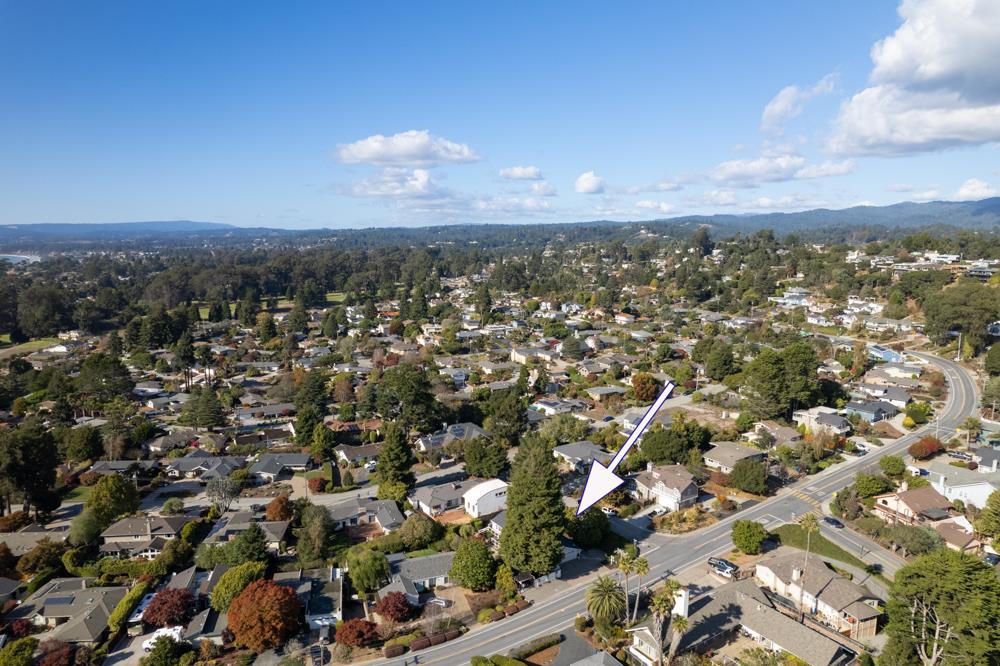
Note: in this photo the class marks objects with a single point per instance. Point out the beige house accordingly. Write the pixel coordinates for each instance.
(832, 599)
(670, 486)
(912, 507)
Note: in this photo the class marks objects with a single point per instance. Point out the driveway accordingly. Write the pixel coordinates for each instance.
(127, 651)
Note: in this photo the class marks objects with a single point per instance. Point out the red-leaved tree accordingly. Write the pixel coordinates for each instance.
(925, 447)
(394, 606)
(279, 509)
(356, 632)
(264, 615)
(169, 608)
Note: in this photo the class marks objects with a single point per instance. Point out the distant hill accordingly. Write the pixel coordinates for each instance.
(856, 224)
(16, 232)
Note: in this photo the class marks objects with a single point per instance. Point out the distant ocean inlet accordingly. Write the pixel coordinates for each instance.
(17, 258)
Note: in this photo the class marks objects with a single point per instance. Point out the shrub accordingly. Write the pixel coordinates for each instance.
(496, 616)
(420, 644)
(12, 522)
(393, 651)
(89, 478)
(120, 615)
(317, 484)
(357, 632)
(541, 643)
(18, 653)
(173, 506)
(437, 639)
(749, 536)
(581, 623)
(234, 581)
(484, 615)
(511, 610)
(925, 447)
(394, 606)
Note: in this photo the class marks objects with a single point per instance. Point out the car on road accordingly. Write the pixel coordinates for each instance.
(833, 522)
(173, 633)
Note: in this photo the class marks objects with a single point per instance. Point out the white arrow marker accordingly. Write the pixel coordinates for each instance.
(603, 480)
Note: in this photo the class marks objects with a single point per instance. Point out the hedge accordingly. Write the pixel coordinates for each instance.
(496, 616)
(511, 610)
(537, 645)
(392, 651)
(41, 578)
(522, 604)
(437, 639)
(119, 616)
(452, 634)
(420, 643)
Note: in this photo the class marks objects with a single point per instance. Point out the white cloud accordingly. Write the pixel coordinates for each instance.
(396, 183)
(789, 103)
(543, 189)
(720, 198)
(657, 206)
(521, 173)
(510, 205)
(973, 190)
(662, 185)
(411, 148)
(783, 203)
(935, 83)
(589, 183)
(758, 170)
(825, 169)
(926, 195)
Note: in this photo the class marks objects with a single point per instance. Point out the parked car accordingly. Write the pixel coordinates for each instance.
(173, 633)
(438, 601)
(833, 522)
(608, 511)
(991, 559)
(724, 567)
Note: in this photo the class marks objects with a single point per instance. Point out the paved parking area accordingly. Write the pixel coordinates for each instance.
(127, 652)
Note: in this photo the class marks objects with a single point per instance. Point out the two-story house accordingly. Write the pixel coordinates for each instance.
(670, 486)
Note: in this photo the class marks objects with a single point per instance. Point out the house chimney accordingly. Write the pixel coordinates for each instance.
(681, 600)
(796, 573)
(903, 487)
(649, 466)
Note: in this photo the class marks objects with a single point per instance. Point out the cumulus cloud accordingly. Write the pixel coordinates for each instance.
(767, 168)
(662, 185)
(543, 189)
(790, 101)
(926, 195)
(396, 183)
(973, 190)
(720, 198)
(411, 148)
(589, 183)
(521, 173)
(934, 84)
(656, 206)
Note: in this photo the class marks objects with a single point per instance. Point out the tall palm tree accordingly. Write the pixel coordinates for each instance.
(810, 525)
(678, 625)
(641, 568)
(661, 605)
(605, 599)
(625, 563)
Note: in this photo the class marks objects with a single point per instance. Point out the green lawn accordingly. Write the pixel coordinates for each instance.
(78, 494)
(27, 347)
(332, 298)
(795, 536)
(422, 553)
(323, 471)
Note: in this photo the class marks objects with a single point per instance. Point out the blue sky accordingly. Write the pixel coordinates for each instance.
(326, 115)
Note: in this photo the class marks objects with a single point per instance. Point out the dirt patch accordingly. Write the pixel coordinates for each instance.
(545, 657)
(453, 517)
(270, 490)
(883, 429)
(480, 600)
(363, 532)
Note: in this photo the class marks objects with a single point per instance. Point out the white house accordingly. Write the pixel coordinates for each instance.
(670, 486)
(957, 483)
(486, 498)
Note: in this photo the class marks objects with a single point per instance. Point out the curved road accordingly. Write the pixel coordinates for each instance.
(669, 554)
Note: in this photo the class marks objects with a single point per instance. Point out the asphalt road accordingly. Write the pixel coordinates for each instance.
(670, 554)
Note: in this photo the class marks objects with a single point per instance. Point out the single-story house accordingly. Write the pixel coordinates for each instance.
(411, 576)
(75, 608)
(485, 498)
(465, 432)
(871, 411)
(366, 511)
(273, 466)
(233, 523)
(434, 500)
(579, 455)
(723, 456)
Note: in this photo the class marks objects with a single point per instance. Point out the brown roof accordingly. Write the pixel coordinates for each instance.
(955, 535)
(923, 499)
(671, 476)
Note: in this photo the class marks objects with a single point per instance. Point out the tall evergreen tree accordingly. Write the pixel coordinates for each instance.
(395, 458)
(530, 541)
(485, 458)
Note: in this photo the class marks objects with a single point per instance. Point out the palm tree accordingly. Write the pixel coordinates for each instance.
(661, 606)
(641, 567)
(972, 427)
(605, 599)
(678, 625)
(625, 563)
(810, 525)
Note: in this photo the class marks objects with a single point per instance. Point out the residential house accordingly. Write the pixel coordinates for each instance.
(723, 456)
(741, 608)
(555, 406)
(357, 455)
(972, 487)
(273, 466)
(233, 523)
(578, 455)
(777, 434)
(465, 432)
(74, 608)
(411, 576)
(141, 536)
(8, 590)
(207, 625)
(204, 466)
(871, 411)
(815, 588)
(256, 414)
(912, 506)
(893, 395)
(602, 393)
(141, 468)
(670, 486)
(880, 353)
(959, 536)
(485, 498)
(822, 419)
(434, 500)
(362, 511)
